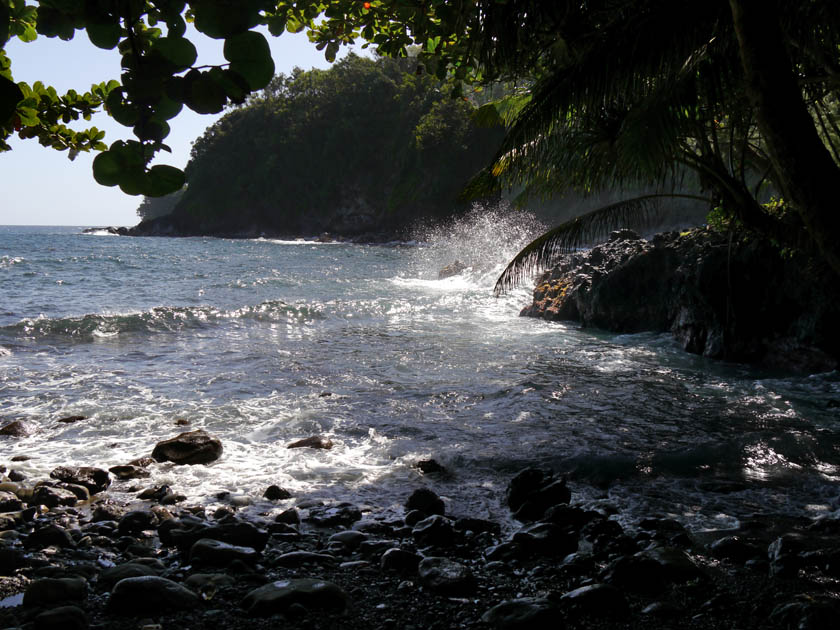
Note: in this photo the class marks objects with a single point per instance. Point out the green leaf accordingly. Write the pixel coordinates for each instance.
(236, 87)
(166, 109)
(250, 57)
(4, 24)
(104, 34)
(203, 94)
(223, 19)
(124, 113)
(332, 50)
(10, 96)
(178, 51)
(151, 130)
(162, 180)
(108, 168)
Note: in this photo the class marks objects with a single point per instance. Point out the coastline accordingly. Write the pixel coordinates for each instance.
(118, 561)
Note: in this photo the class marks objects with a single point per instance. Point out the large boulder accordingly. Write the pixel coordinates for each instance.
(192, 447)
(136, 596)
(277, 597)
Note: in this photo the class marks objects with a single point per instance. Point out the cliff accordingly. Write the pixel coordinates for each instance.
(737, 299)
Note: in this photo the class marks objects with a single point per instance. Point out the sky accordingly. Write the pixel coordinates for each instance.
(43, 187)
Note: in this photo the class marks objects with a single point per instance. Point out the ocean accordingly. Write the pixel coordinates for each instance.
(263, 342)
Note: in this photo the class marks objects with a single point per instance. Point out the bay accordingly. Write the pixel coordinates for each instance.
(263, 342)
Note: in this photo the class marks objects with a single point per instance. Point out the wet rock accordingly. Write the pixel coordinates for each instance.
(279, 596)
(350, 539)
(426, 501)
(154, 494)
(126, 472)
(110, 576)
(134, 596)
(81, 492)
(186, 531)
(61, 618)
(15, 475)
(289, 517)
(315, 441)
(340, 515)
(94, 479)
(17, 428)
(136, 521)
(20, 458)
(72, 419)
(783, 554)
(9, 502)
(50, 535)
(435, 530)
(48, 592)
(430, 467)
(190, 448)
(106, 512)
(596, 600)
(677, 564)
(452, 269)
(525, 613)
(399, 561)
(507, 552)
(214, 553)
(276, 493)
(446, 576)
(533, 491)
(734, 549)
(547, 539)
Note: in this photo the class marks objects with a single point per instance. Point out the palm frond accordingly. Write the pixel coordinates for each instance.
(583, 230)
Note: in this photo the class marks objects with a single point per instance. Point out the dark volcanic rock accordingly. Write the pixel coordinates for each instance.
(446, 576)
(425, 500)
(94, 479)
(534, 491)
(17, 428)
(209, 552)
(279, 596)
(276, 493)
(134, 596)
(127, 471)
(9, 502)
(712, 294)
(435, 530)
(192, 447)
(316, 441)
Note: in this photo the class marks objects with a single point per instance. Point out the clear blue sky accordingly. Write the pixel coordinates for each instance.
(43, 187)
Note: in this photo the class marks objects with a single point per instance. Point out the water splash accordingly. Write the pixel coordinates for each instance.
(484, 240)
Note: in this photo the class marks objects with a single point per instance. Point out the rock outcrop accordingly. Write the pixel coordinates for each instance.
(738, 299)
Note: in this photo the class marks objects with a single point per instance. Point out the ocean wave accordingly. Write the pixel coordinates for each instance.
(162, 319)
(10, 261)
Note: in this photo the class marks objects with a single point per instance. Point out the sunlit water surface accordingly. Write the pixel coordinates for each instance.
(262, 342)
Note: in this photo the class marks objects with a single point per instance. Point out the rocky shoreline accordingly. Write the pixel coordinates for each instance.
(90, 548)
(723, 297)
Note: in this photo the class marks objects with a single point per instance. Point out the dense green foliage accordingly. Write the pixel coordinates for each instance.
(364, 146)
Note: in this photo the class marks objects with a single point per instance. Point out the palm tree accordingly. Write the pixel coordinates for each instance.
(741, 93)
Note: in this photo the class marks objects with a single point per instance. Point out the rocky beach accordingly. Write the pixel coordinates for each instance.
(90, 548)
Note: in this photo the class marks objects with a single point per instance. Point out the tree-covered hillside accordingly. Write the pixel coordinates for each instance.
(366, 146)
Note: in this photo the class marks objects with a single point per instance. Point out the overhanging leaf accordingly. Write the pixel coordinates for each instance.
(250, 57)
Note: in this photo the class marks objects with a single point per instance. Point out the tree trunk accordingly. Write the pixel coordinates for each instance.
(808, 174)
